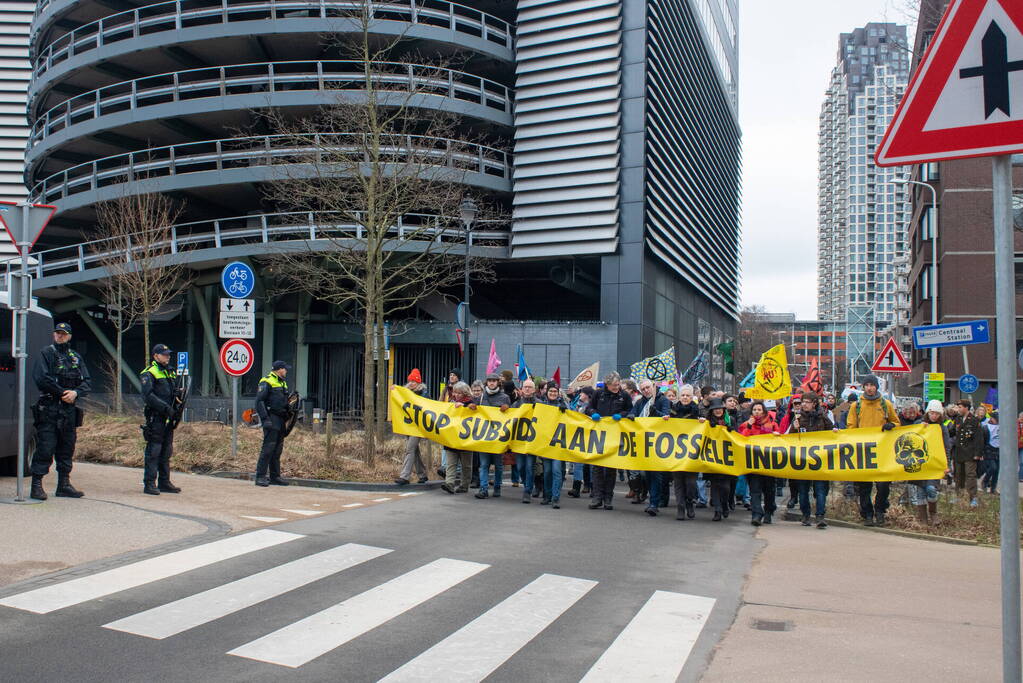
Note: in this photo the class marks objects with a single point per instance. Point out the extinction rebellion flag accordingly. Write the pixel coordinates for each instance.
(659, 368)
(772, 379)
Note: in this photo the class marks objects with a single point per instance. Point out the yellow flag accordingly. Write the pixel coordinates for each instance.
(772, 380)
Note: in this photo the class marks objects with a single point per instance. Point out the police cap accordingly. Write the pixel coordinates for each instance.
(161, 349)
(279, 364)
(62, 327)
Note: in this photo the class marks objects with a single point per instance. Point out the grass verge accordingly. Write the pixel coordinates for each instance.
(956, 518)
(204, 447)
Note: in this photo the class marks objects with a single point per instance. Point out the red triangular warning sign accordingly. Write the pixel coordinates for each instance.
(966, 97)
(890, 359)
(24, 223)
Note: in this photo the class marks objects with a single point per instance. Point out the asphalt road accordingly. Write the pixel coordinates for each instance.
(434, 588)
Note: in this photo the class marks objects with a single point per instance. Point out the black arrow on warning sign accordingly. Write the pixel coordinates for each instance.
(230, 304)
(246, 306)
(995, 70)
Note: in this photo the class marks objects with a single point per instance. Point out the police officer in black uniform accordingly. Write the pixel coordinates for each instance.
(62, 379)
(158, 389)
(272, 406)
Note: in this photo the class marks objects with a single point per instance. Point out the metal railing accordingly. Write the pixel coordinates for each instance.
(183, 14)
(262, 150)
(268, 77)
(254, 229)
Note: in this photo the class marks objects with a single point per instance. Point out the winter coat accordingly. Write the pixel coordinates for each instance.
(660, 408)
(945, 436)
(969, 435)
(871, 413)
(496, 400)
(817, 421)
(605, 403)
(687, 412)
(524, 401)
(765, 426)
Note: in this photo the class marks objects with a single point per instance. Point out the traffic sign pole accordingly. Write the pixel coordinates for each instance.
(1005, 343)
(234, 417)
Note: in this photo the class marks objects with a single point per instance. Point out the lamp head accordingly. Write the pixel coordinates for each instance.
(468, 210)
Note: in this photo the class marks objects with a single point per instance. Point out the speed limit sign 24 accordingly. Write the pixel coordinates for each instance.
(236, 357)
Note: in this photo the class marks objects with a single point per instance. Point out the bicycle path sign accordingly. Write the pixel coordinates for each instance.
(238, 280)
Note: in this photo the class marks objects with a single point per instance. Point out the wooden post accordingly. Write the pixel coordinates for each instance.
(330, 435)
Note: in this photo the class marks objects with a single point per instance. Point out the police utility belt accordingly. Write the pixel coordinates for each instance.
(48, 401)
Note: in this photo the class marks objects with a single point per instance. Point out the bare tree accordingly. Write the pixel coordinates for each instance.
(753, 336)
(383, 169)
(135, 249)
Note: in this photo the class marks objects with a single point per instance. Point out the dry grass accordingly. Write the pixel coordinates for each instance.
(956, 518)
(206, 447)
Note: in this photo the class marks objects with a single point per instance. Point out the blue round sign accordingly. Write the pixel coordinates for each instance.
(968, 384)
(238, 280)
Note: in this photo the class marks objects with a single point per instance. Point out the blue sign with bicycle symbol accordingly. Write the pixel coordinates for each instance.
(238, 280)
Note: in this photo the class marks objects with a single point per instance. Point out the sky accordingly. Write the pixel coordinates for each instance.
(787, 49)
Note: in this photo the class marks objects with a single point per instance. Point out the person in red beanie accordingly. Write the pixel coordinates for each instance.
(413, 457)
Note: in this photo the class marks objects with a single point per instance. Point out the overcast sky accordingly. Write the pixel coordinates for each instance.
(787, 49)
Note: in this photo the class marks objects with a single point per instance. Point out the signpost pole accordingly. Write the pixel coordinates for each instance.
(20, 329)
(966, 363)
(234, 417)
(1005, 314)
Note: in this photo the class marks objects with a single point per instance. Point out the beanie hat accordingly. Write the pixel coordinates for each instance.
(415, 376)
(870, 379)
(935, 406)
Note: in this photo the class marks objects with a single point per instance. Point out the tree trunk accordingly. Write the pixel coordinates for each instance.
(145, 337)
(368, 412)
(118, 398)
(383, 376)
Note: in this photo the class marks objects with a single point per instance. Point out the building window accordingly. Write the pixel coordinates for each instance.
(927, 223)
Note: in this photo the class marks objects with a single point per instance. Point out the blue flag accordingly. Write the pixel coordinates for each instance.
(524, 371)
(749, 380)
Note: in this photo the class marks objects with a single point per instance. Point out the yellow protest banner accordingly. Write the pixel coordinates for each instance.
(904, 453)
(772, 377)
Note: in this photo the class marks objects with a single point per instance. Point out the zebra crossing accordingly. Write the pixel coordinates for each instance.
(653, 646)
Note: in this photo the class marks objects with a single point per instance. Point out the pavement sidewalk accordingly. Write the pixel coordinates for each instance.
(115, 517)
(853, 605)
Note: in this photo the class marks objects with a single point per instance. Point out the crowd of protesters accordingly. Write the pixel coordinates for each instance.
(970, 436)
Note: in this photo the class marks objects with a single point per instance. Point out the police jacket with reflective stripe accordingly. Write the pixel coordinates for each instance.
(158, 388)
(272, 397)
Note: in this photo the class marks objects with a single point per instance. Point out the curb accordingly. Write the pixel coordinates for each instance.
(341, 485)
(792, 517)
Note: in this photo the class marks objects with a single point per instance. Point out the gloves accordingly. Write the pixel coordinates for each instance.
(595, 417)
(888, 426)
(616, 417)
(562, 408)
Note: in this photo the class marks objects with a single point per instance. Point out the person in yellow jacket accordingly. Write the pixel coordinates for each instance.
(872, 410)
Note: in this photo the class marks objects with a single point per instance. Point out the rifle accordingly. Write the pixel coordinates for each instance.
(183, 385)
(294, 410)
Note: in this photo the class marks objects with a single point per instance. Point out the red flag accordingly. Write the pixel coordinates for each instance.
(557, 376)
(812, 381)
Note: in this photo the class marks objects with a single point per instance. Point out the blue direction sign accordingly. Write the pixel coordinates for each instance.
(238, 280)
(952, 334)
(968, 384)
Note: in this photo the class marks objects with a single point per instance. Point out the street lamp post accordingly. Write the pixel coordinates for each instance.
(934, 258)
(467, 210)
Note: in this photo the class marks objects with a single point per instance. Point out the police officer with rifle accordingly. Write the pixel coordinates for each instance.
(164, 395)
(278, 411)
(62, 379)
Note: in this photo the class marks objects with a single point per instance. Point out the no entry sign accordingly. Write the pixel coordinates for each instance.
(236, 357)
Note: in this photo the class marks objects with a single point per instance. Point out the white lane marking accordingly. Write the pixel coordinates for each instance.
(353, 505)
(306, 513)
(75, 591)
(195, 610)
(380, 500)
(269, 520)
(305, 640)
(655, 645)
(472, 653)
(411, 493)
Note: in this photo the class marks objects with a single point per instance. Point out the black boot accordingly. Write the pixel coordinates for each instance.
(576, 487)
(262, 481)
(596, 504)
(151, 488)
(37, 488)
(680, 513)
(279, 481)
(168, 487)
(690, 510)
(65, 489)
